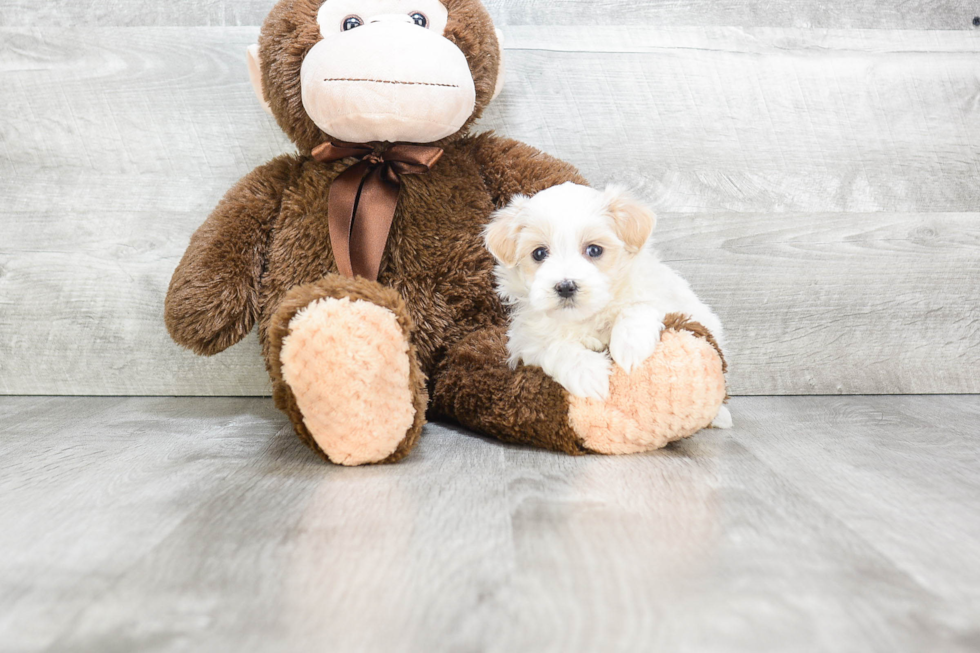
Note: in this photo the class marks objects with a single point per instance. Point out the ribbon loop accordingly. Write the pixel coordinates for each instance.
(363, 199)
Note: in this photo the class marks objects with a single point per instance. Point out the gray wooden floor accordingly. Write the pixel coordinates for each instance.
(819, 523)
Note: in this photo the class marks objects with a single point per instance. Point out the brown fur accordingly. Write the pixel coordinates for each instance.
(213, 300)
(264, 253)
(525, 406)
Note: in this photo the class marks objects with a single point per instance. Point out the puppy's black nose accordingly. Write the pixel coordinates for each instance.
(566, 288)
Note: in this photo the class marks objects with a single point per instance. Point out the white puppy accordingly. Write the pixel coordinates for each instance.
(576, 266)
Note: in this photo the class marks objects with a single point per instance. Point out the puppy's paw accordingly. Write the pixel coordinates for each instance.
(593, 343)
(723, 420)
(587, 375)
(632, 343)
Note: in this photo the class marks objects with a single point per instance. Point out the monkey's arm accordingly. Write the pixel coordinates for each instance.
(510, 167)
(212, 302)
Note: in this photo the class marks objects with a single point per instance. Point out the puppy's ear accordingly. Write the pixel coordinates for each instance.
(633, 221)
(500, 235)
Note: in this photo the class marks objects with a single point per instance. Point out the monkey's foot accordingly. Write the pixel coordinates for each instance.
(677, 392)
(349, 367)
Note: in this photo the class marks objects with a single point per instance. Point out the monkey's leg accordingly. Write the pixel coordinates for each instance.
(675, 393)
(344, 369)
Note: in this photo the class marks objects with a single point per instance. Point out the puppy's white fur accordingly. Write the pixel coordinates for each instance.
(621, 297)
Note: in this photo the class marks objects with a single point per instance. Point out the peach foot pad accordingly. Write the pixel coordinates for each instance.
(677, 392)
(347, 363)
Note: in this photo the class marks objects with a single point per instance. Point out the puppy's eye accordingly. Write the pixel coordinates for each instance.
(593, 251)
(419, 18)
(351, 22)
(540, 254)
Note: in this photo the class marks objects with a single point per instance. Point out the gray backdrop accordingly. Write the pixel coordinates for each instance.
(816, 167)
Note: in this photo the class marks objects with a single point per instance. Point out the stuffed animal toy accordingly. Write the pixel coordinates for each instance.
(361, 257)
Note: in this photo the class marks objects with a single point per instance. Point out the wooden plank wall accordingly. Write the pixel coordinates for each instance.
(843, 14)
(816, 166)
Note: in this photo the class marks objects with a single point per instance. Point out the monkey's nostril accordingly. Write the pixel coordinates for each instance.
(566, 288)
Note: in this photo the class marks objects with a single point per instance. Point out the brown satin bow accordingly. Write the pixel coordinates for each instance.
(363, 198)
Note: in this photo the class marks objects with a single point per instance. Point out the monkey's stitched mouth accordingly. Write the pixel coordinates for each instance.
(386, 81)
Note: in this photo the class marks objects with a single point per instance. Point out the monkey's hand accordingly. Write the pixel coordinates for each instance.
(212, 302)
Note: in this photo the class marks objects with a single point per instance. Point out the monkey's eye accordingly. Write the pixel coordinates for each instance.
(419, 18)
(540, 254)
(351, 22)
(593, 251)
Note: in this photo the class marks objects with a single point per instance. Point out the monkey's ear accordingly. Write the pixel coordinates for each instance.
(500, 68)
(255, 75)
(500, 235)
(632, 221)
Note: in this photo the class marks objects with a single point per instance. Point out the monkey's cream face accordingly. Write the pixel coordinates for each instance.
(385, 72)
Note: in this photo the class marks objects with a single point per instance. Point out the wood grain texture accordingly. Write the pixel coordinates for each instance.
(816, 524)
(117, 144)
(828, 14)
(842, 303)
(755, 120)
(819, 188)
(909, 14)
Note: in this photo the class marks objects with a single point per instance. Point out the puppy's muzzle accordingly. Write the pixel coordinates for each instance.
(566, 289)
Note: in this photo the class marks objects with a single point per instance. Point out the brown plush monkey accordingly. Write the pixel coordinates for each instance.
(362, 260)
